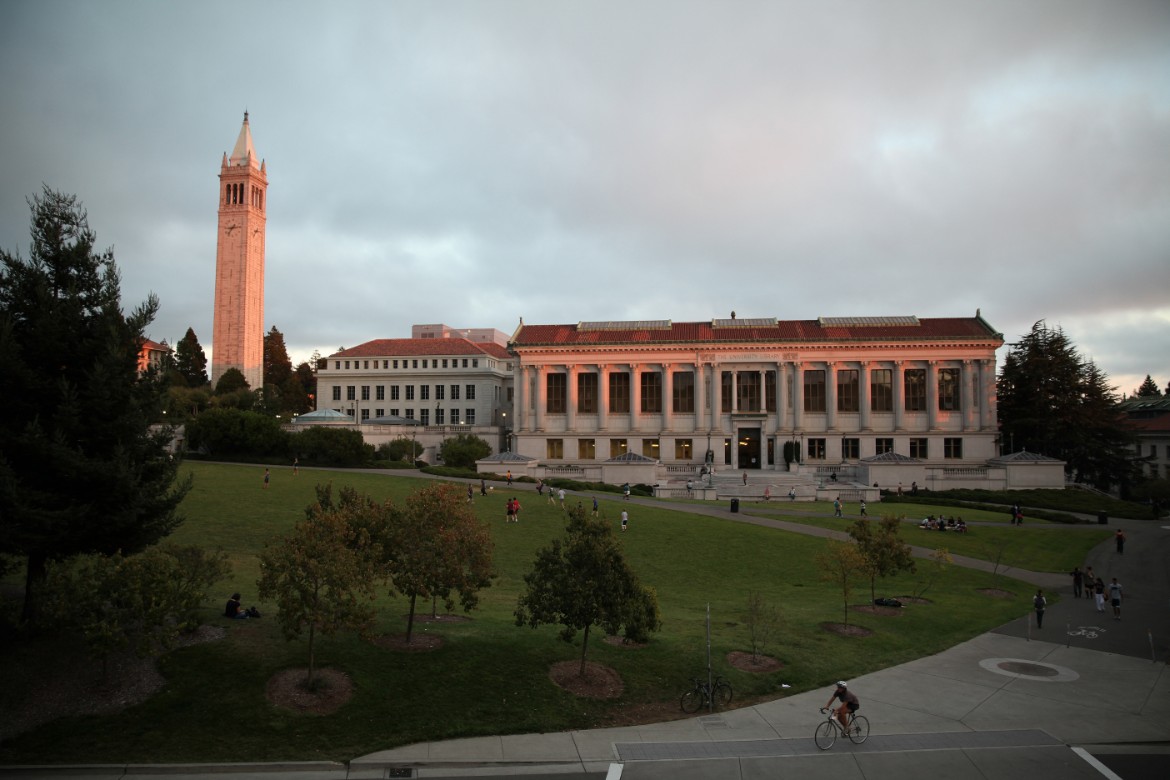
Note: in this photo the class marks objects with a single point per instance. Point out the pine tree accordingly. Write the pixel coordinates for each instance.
(277, 366)
(80, 470)
(1148, 389)
(191, 360)
(1054, 403)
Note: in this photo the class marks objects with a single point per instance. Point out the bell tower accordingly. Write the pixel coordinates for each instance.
(238, 332)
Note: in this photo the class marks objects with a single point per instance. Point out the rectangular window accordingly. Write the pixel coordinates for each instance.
(394, 393)
(948, 389)
(683, 449)
(336, 365)
(424, 416)
(619, 392)
(850, 449)
(882, 445)
(380, 393)
(395, 364)
(365, 364)
(814, 391)
(617, 447)
(385, 364)
(725, 391)
(439, 392)
(365, 414)
(587, 393)
(470, 394)
(465, 362)
(586, 449)
(770, 391)
(651, 401)
(915, 385)
(650, 448)
(424, 392)
(439, 416)
(454, 392)
(337, 393)
(444, 362)
(848, 398)
(393, 412)
(475, 362)
(365, 392)
(683, 391)
(881, 390)
(379, 412)
(816, 449)
(918, 448)
(556, 386)
(350, 393)
(347, 364)
(555, 449)
(424, 362)
(415, 362)
(410, 392)
(953, 448)
(410, 414)
(469, 417)
(747, 387)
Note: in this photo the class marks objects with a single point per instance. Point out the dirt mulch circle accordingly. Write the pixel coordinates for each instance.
(843, 630)
(997, 593)
(419, 642)
(875, 609)
(757, 664)
(287, 690)
(623, 643)
(598, 682)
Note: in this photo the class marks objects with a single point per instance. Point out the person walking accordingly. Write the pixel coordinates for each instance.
(690, 488)
(745, 478)
(595, 506)
(1115, 598)
(1078, 578)
(837, 507)
(509, 477)
(625, 520)
(626, 491)
(1099, 594)
(1090, 578)
(1039, 603)
(266, 475)
(561, 498)
(470, 494)
(1119, 538)
(483, 487)
(864, 513)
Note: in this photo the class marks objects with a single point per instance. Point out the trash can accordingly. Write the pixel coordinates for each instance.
(1102, 518)
(735, 505)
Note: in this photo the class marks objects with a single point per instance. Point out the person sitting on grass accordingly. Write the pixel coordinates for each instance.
(233, 609)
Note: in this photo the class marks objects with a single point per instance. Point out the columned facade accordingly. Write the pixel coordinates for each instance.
(735, 391)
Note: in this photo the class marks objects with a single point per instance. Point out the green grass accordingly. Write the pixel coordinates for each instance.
(1034, 546)
(490, 677)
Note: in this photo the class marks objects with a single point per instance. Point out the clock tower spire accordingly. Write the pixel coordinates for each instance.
(238, 331)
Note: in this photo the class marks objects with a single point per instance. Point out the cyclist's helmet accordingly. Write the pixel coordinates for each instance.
(842, 684)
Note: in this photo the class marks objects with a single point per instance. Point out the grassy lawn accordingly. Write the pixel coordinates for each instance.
(1035, 546)
(491, 677)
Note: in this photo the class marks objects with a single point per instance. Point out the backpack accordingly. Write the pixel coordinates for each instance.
(1038, 602)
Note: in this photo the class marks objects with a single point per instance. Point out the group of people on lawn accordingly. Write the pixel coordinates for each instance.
(931, 523)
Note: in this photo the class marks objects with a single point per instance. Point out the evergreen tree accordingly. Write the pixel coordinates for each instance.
(1054, 403)
(1148, 389)
(277, 366)
(191, 360)
(232, 381)
(80, 471)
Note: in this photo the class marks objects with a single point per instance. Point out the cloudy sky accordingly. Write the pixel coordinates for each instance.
(473, 163)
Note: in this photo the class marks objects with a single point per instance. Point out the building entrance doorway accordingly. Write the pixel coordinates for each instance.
(749, 448)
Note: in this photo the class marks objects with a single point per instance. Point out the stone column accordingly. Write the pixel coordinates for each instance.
(830, 395)
(987, 400)
(521, 411)
(571, 399)
(797, 397)
(700, 396)
(899, 388)
(864, 401)
(541, 398)
(967, 396)
(931, 394)
(668, 398)
(734, 395)
(635, 397)
(603, 397)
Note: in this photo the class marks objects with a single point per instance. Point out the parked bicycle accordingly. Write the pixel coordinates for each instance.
(827, 732)
(701, 695)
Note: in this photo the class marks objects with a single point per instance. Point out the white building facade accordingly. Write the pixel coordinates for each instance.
(741, 394)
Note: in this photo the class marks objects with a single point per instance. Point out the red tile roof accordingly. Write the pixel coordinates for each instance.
(387, 348)
(793, 331)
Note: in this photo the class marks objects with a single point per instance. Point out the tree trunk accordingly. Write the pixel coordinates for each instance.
(584, 645)
(309, 681)
(410, 619)
(34, 579)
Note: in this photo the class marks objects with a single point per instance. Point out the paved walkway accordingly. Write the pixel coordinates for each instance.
(1016, 703)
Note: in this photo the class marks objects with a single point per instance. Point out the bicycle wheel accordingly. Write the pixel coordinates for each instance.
(723, 694)
(691, 701)
(859, 729)
(826, 735)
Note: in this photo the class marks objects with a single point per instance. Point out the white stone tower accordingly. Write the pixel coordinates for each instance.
(238, 332)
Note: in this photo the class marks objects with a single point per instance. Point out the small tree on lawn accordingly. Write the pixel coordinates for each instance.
(940, 559)
(882, 549)
(761, 619)
(582, 581)
(322, 578)
(440, 547)
(838, 564)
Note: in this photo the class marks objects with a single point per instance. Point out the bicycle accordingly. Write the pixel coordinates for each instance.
(827, 732)
(701, 695)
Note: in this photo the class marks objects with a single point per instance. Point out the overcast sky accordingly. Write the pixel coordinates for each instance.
(473, 163)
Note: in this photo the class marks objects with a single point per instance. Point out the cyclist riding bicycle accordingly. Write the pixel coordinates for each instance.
(849, 703)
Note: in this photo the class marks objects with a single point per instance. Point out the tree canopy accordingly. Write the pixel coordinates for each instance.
(882, 548)
(582, 581)
(1148, 389)
(80, 470)
(190, 360)
(463, 451)
(277, 366)
(1055, 403)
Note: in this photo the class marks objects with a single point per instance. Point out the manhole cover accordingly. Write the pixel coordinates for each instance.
(1032, 670)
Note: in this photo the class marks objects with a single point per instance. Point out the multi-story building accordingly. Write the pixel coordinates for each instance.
(1149, 420)
(439, 383)
(848, 396)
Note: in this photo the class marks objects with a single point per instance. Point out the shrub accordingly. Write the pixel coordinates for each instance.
(224, 432)
(320, 446)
